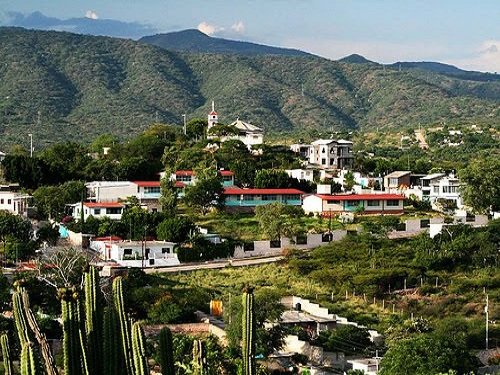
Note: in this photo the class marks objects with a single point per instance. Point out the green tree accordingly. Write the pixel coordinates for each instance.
(481, 189)
(271, 178)
(175, 229)
(278, 219)
(348, 339)
(349, 181)
(424, 354)
(196, 128)
(168, 198)
(207, 193)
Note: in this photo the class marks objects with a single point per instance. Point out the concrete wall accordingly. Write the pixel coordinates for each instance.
(263, 248)
(315, 354)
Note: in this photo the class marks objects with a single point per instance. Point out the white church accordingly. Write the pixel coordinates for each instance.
(249, 134)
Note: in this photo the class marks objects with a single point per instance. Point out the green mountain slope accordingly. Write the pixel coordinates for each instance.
(195, 41)
(62, 86)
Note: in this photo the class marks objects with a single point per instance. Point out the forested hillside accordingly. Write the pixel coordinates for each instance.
(62, 86)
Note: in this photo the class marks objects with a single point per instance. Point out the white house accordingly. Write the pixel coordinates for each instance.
(110, 191)
(446, 188)
(369, 366)
(137, 254)
(301, 174)
(12, 200)
(113, 210)
(303, 149)
(331, 154)
(249, 134)
(363, 203)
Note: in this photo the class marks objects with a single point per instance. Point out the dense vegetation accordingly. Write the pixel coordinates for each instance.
(61, 86)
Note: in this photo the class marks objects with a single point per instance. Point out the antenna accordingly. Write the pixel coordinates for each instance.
(486, 308)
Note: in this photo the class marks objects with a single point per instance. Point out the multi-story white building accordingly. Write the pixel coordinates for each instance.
(110, 191)
(137, 254)
(331, 154)
(446, 188)
(301, 174)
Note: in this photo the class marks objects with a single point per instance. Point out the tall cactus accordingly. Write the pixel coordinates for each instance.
(139, 351)
(7, 362)
(248, 340)
(125, 330)
(112, 349)
(29, 364)
(20, 318)
(74, 356)
(48, 358)
(198, 357)
(166, 352)
(93, 321)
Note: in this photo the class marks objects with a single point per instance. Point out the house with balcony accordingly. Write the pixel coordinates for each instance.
(303, 149)
(331, 154)
(136, 254)
(380, 204)
(239, 199)
(149, 193)
(445, 192)
(99, 210)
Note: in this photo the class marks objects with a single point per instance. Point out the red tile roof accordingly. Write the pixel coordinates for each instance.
(360, 197)
(213, 113)
(103, 205)
(239, 191)
(109, 238)
(147, 183)
(192, 173)
(179, 184)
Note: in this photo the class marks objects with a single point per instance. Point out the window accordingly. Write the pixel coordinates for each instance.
(323, 150)
(165, 250)
(152, 262)
(9, 201)
(152, 190)
(269, 197)
(183, 178)
(154, 210)
(352, 203)
(425, 223)
(450, 189)
(276, 244)
(1, 201)
(127, 251)
(291, 197)
(373, 203)
(97, 211)
(114, 211)
(392, 203)
(393, 181)
(301, 240)
(327, 237)
(248, 246)
(323, 161)
(435, 189)
(249, 197)
(332, 161)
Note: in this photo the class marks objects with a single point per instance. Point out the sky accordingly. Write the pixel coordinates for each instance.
(464, 33)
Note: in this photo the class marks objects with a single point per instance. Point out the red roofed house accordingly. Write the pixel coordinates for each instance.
(189, 177)
(237, 199)
(369, 203)
(113, 210)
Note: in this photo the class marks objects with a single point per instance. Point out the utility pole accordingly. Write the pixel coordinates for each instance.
(31, 144)
(486, 308)
(184, 117)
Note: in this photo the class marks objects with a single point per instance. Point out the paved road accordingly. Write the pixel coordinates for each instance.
(215, 265)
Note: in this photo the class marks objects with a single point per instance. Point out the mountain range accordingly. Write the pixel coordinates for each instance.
(63, 86)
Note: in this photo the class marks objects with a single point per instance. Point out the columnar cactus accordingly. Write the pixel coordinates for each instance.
(29, 364)
(139, 351)
(7, 362)
(112, 350)
(20, 318)
(198, 358)
(48, 358)
(248, 333)
(93, 321)
(125, 330)
(74, 356)
(166, 352)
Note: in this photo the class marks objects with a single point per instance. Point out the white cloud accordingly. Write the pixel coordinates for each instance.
(209, 29)
(91, 14)
(238, 27)
(485, 58)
